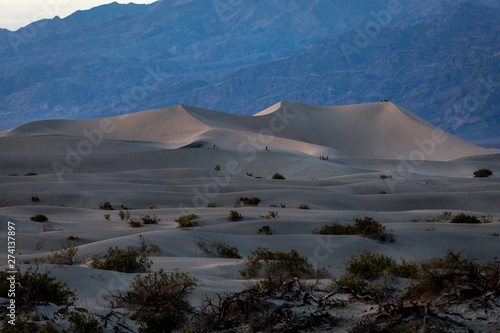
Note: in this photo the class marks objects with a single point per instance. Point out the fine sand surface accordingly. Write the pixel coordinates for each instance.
(163, 158)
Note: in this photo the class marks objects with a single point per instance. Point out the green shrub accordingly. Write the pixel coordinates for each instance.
(126, 261)
(48, 328)
(355, 283)
(464, 218)
(73, 238)
(482, 173)
(278, 267)
(249, 174)
(163, 320)
(39, 218)
(30, 174)
(84, 322)
(385, 176)
(219, 249)
(134, 223)
(368, 265)
(146, 219)
(159, 298)
(405, 269)
(265, 229)
(37, 288)
(187, 221)
(366, 227)
(35, 199)
(278, 176)
(107, 217)
(455, 272)
(105, 206)
(253, 201)
(382, 192)
(235, 216)
(270, 215)
(152, 207)
(217, 168)
(124, 216)
(65, 255)
(495, 234)
(213, 205)
(304, 206)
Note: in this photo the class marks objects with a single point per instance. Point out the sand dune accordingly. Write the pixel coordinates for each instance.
(158, 162)
(376, 130)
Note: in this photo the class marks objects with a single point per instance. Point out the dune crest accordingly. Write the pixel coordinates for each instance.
(369, 131)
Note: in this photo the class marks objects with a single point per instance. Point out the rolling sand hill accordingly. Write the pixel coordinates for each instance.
(162, 162)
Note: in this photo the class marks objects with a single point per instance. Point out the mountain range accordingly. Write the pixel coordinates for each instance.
(437, 58)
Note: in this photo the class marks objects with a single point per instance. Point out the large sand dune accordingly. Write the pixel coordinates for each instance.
(161, 159)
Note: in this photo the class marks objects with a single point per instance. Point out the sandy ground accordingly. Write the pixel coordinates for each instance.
(162, 158)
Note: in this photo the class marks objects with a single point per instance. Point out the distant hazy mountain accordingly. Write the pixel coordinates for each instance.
(226, 55)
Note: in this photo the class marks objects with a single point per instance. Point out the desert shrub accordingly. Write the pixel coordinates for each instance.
(217, 168)
(253, 201)
(278, 267)
(37, 288)
(235, 216)
(84, 322)
(355, 283)
(73, 238)
(35, 199)
(160, 298)
(456, 273)
(146, 219)
(163, 320)
(495, 234)
(464, 218)
(273, 206)
(366, 227)
(482, 173)
(124, 215)
(49, 328)
(126, 208)
(304, 206)
(126, 261)
(219, 249)
(134, 223)
(13, 174)
(368, 265)
(39, 218)
(335, 228)
(213, 205)
(278, 176)
(404, 269)
(270, 215)
(105, 206)
(187, 221)
(65, 255)
(237, 203)
(283, 205)
(107, 217)
(265, 229)
(249, 174)
(385, 176)
(382, 192)
(444, 217)
(30, 174)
